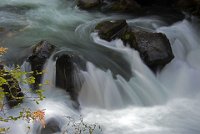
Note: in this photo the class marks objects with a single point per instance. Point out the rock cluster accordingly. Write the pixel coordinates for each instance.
(67, 67)
(130, 6)
(154, 48)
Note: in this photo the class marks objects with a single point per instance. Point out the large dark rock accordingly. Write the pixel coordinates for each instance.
(110, 30)
(41, 52)
(12, 90)
(190, 6)
(154, 48)
(155, 2)
(89, 4)
(123, 6)
(185, 3)
(68, 73)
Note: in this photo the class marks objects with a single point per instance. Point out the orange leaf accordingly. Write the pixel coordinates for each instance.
(40, 115)
(3, 50)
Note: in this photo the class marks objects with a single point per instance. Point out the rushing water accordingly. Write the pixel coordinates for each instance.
(119, 92)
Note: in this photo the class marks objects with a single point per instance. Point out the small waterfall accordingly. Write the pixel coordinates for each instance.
(179, 80)
(182, 75)
(122, 98)
(57, 104)
(101, 89)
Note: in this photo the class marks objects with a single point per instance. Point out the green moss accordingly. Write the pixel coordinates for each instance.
(127, 36)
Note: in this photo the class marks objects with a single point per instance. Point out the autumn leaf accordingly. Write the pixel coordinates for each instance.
(3, 50)
(40, 115)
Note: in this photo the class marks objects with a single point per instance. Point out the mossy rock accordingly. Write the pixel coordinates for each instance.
(129, 39)
(11, 88)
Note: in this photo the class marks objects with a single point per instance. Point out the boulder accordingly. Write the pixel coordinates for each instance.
(89, 4)
(12, 90)
(154, 49)
(109, 30)
(68, 74)
(41, 52)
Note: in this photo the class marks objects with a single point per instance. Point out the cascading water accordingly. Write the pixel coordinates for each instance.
(119, 92)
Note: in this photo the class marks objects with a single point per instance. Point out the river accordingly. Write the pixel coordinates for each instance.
(119, 93)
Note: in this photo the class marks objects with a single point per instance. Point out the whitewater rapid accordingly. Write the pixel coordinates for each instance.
(120, 93)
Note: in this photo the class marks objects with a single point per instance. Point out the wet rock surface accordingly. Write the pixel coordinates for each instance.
(124, 6)
(143, 7)
(41, 52)
(110, 30)
(68, 75)
(68, 67)
(154, 49)
(89, 4)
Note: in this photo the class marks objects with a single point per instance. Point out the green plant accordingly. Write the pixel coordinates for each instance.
(9, 80)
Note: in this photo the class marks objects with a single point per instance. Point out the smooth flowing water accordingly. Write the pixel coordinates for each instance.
(119, 92)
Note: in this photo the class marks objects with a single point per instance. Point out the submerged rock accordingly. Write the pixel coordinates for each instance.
(12, 90)
(17, 9)
(52, 126)
(154, 48)
(89, 4)
(41, 52)
(9, 30)
(68, 74)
